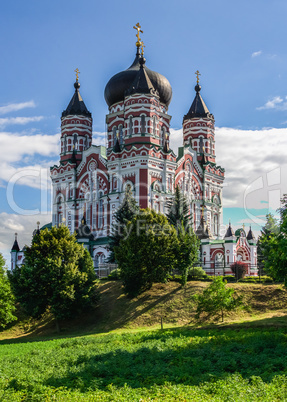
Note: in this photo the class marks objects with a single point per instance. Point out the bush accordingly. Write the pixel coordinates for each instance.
(239, 269)
(196, 273)
(216, 300)
(114, 275)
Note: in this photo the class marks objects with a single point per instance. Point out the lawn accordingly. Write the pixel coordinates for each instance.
(223, 364)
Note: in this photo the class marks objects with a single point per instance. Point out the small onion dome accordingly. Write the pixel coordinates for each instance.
(117, 86)
(240, 232)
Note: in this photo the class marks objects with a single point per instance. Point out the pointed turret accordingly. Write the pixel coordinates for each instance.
(76, 128)
(198, 107)
(203, 231)
(250, 235)
(229, 232)
(77, 105)
(15, 246)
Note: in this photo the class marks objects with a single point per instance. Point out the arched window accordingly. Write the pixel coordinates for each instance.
(215, 222)
(130, 125)
(120, 134)
(162, 139)
(154, 125)
(143, 125)
(114, 135)
(210, 146)
(75, 142)
(100, 214)
(219, 260)
(65, 144)
(60, 213)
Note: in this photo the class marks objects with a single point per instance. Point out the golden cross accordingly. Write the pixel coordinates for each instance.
(138, 28)
(197, 76)
(142, 48)
(77, 74)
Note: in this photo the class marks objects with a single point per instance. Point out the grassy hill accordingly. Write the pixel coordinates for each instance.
(265, 305)
(118, 353)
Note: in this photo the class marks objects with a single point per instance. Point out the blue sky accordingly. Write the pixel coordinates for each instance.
(238, 47)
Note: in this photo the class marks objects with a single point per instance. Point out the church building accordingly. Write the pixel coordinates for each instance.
(90, 180)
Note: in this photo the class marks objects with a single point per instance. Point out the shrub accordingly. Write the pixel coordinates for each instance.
(239, 269)
(216, 300)
(196, 273)
(114, 275)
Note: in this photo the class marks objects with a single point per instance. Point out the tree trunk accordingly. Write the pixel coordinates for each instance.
(222, 316)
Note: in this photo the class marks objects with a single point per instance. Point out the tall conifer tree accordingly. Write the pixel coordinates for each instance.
(127, 210)
(178, 211)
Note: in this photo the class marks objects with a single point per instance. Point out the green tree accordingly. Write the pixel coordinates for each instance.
(186, 252)
(7, 300)
(178, 210)
(57, 274)
(216, 300)
(147, 254)
(273, 245)
(268, 231)
(125, 213)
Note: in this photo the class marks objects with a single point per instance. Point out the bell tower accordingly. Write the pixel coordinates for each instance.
(76, 128)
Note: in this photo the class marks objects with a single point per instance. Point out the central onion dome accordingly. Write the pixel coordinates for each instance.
(117, 87)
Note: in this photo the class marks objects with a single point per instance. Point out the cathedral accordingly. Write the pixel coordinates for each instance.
(90, 181)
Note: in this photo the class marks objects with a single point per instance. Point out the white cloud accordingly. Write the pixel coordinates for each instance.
(99, 138)
(255, 166)
(276, 103)
(23, 225)
(18, 155)
(256, 54)
(19, 120)
(14, 107)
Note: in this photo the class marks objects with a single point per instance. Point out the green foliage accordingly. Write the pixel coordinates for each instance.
(147, 254)
(58, 274)
(273, 245)
(114, 275)
(174, 365)
(196, 273)
(269, 231)
(123, 215)
(178, 210)
(186, 252)
(239, 269)
(7, 300)
(216, 300)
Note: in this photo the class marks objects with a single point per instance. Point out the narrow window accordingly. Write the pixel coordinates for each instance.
(143, 129)
(131, 125)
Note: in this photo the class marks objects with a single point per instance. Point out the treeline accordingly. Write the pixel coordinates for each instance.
(58, 273)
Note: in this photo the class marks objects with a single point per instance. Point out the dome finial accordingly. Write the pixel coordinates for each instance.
(77, 74)
(197, 73)
(77, 84)
(138, 28)
(142, 48)
(197, 86)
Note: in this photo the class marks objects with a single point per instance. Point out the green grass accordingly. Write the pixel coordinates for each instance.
(170, 365)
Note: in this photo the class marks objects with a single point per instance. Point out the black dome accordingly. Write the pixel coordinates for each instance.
(117, 86)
